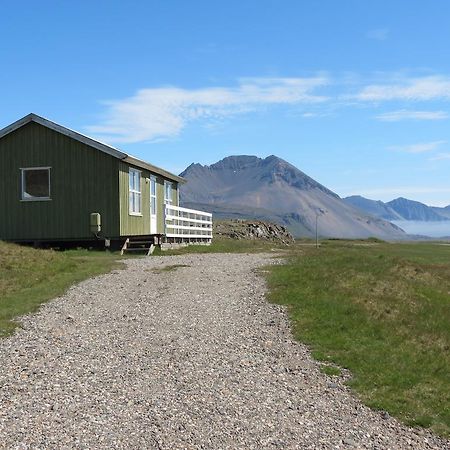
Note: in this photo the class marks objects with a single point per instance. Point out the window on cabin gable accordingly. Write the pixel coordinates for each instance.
(35, 183)
(167, 193)
(135, 194)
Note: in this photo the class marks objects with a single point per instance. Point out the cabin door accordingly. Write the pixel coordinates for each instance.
(153, 205)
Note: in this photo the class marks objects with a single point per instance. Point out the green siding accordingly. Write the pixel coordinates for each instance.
(129, 224)
(175, 194)
(83, 180)
(160, 209)
(140, 225)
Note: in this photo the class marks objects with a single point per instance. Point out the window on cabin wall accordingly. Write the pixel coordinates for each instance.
(153, 195)
(35, 182)
(135, 194)
(167, 193)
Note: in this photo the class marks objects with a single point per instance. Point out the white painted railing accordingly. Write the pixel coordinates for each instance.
(188, 224)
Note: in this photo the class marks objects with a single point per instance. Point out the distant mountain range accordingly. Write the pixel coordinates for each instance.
(399, 209)
(272, 189)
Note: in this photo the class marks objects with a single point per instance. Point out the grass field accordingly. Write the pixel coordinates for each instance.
(225, 245)
(29, 277)
(383, 312)
(380, 310)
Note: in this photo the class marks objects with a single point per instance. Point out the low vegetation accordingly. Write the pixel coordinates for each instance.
(380, 310)
(383, 312)
(29, 277)
(331, 371)
(226, 245)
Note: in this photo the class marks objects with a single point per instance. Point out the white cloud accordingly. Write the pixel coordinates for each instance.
(162, 112)
(379, 34)
(418, 148)
(157, 113)
(404, 114)
(440, 157)
(414, 89)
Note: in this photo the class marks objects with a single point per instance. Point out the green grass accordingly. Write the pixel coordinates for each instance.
(30, 277)
(330, 370)
(382, 311)
(226, 245)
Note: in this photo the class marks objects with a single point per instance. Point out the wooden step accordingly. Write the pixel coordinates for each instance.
(144, 246)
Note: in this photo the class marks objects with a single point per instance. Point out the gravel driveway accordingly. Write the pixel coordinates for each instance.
(188, 358)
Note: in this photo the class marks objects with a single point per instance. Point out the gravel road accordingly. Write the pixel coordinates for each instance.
(193, 358)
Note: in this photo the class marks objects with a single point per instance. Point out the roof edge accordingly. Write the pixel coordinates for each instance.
(145, 165)
(63, 130)
(89, 141)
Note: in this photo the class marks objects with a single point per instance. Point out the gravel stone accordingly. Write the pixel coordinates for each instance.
(190, 358)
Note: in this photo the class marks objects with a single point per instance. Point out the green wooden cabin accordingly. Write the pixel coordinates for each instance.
(53, 179)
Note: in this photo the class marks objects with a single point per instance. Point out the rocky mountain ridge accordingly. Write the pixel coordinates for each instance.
(248, 187)
(399, 209)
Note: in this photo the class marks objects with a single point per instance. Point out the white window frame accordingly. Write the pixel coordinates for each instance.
(22, 185)
(168, 200)
(153, 205)
(135, 192)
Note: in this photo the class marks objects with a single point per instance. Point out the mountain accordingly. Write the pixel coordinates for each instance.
(375, 207)
(273, 189)
(399, 209)
(412, 210)
(445, 212)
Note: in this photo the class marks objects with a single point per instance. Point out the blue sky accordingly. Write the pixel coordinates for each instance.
(354, 93)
